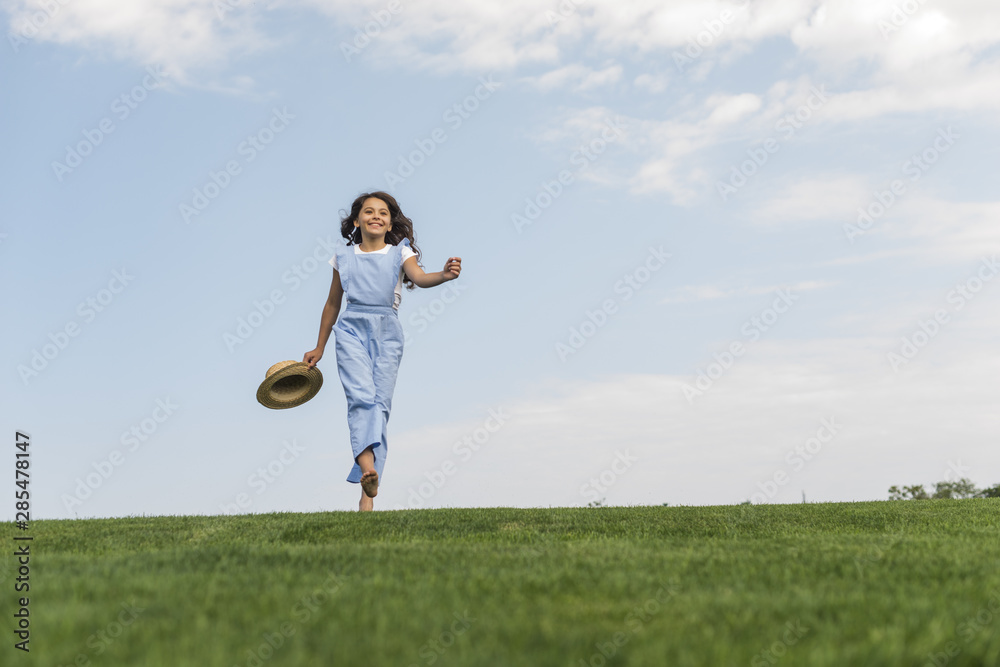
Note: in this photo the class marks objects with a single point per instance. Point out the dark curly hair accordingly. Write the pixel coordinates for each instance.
(402, 227)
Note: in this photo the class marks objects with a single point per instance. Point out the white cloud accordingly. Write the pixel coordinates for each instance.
(823, 197)
(577, 77)
(929, 62)
(942, 229)
(939, 41)
(672, 147)
(445, 37)
(572, 126)
(941, 58)
(728, 109)
(915, 224)
(176, 35)
(652, 83)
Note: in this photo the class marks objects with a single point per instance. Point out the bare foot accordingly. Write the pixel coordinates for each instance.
(369, 483)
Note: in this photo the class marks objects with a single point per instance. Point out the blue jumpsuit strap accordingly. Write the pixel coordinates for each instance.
(399, 253)
(344, 258)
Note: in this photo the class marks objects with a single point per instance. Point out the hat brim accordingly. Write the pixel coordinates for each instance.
(290, 386)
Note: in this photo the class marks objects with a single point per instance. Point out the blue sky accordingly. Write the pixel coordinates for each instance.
(669, 291)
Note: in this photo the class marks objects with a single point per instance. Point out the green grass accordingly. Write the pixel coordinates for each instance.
(876, 583)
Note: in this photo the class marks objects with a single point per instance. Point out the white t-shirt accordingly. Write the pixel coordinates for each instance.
(407, 253)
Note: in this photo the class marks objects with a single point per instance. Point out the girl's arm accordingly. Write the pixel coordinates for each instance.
(413, 271)
(330, 311)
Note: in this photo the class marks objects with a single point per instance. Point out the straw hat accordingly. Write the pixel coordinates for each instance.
(289, 383)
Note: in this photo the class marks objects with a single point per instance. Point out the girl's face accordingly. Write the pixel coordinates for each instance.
(373, 219)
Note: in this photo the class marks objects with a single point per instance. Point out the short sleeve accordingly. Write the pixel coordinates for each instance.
(342, 265)
(405, 252)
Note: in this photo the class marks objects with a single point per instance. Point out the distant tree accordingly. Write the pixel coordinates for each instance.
(908, 493)
(963, 488)
(992, 492)
(596, 503)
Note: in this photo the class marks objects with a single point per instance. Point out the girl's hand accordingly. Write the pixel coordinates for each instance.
(452, 268)
(313, 356)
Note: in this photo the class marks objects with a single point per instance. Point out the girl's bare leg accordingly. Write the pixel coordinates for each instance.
(369, 480)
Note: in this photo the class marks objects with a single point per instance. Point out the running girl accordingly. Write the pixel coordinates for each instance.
(378, 256)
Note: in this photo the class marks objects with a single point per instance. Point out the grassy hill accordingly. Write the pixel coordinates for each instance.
(876, 583)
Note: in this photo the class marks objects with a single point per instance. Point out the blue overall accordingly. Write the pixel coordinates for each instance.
(369, 346)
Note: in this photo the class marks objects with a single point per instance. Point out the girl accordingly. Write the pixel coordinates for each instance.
(378, 256)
